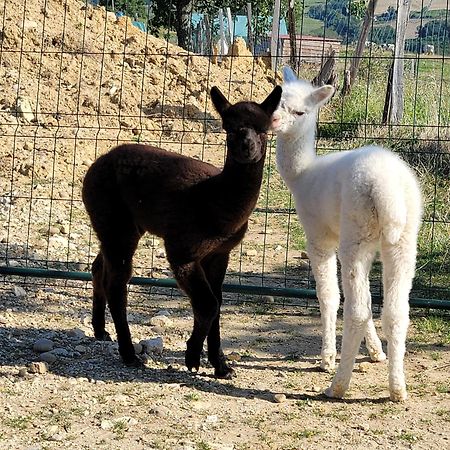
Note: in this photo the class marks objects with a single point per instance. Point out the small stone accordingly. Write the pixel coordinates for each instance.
(234, 356)
(48, 357)
(80, 348)
(268, 299)
(160, 411)
(316, 388)
(19, 291)
(155, 345)
(212, 419)
(304, 255)
(64, 229)
(23, 372)
(160, 253)
(106, 424)
(38, 367)
(250, 252)
(364, 366)
(138, 348)
(163, 312)
(60, 352)
(162, 321)
(28, 145)
(278, 248)
(76, 333)
(279, 398)
(136, 131)
(53, 230)
(158, 329)
(43, 345)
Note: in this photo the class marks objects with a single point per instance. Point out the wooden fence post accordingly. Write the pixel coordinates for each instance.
(370, 11)
(275, 38)
(250, 42)
(395, 99)
(294, 57)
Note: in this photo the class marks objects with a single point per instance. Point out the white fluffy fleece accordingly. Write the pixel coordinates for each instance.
(353, 202)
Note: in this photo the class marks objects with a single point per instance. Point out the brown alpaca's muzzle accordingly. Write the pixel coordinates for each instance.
(247, 146)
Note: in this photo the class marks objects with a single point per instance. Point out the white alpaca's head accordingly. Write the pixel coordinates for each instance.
(299, 105)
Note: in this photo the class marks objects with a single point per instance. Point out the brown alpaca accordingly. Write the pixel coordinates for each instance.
(200, 211)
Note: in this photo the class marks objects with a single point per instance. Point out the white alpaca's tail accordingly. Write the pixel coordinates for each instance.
(390, 196)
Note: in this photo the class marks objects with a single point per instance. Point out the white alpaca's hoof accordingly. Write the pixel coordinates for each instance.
(377, 356)
(335, 392)
(328, 363)
(398, 395)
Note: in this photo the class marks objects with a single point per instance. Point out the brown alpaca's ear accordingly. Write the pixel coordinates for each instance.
(219, 101)
(269, 105)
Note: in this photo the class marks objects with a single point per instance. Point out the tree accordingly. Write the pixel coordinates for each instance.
(176, 15)
(133, 8)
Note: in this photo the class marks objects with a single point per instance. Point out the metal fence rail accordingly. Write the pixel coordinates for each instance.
(76, 79)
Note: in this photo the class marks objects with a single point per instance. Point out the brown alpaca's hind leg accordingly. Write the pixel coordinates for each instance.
(99, 300)
(118, 245)
(215, 268)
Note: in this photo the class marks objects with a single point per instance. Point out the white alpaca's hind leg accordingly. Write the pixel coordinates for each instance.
(398, 272)
(324, 266)
(373, 343)
(355, 265)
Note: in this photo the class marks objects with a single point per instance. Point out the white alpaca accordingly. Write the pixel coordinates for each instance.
(351, 201)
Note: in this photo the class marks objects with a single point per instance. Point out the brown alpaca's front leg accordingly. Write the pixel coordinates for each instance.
(215, 268)
(191, 278)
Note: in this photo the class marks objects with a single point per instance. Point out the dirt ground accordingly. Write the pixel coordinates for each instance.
(89, 400)
(87, 82)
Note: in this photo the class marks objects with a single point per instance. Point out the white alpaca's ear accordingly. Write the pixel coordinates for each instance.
(321, 95)
(288, 74)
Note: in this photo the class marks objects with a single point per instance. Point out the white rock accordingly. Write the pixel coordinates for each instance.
(212, 419)
(162, 321)
(155, 345)
(160, 253)
(76, 333)
(43, 345)
(19, 291)
(24, 109)
(38, 367)
(163, 312)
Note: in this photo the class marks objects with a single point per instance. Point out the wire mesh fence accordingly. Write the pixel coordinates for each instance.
(77, 78)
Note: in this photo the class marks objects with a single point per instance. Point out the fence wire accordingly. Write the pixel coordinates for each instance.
(77, 79)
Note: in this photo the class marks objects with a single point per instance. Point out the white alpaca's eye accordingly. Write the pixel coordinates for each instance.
(299, 113)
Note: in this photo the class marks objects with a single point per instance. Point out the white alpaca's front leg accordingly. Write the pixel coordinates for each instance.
(324, 268)
(355, 265)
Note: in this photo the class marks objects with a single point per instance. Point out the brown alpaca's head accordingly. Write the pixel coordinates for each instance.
(246, 125)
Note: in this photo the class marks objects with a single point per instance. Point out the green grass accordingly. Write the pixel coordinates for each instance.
(432, 329)
(408, 437)
(304, 434)
(17, 423)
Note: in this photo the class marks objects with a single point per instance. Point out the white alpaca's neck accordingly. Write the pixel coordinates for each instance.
(295, 154)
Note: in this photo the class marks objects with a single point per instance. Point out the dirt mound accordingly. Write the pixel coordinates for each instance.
(74, 81)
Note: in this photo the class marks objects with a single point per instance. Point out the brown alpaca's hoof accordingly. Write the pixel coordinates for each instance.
(225, 372)
(103, 336)
(134, 362)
